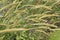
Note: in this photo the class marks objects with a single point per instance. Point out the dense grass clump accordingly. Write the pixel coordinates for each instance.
(28, 19)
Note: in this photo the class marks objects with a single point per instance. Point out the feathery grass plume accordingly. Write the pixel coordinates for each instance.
(28, 19)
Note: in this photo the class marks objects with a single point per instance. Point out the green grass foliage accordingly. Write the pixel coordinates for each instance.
(29, 19)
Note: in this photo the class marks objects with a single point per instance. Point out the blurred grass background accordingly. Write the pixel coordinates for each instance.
(29, 19)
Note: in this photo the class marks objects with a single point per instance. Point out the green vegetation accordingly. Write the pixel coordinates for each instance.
(29, 19)
(55, 35)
